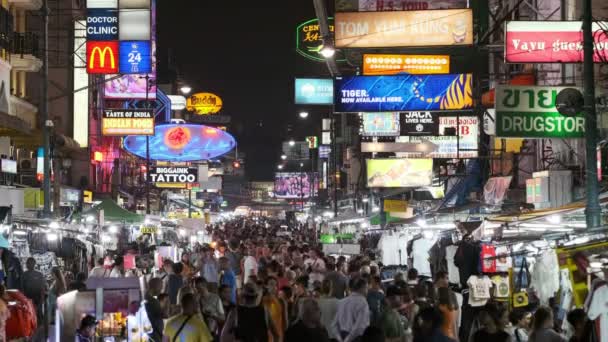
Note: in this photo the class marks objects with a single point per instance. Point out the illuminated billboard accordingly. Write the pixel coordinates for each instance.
(135, 57)
(309, 40)
(404, 28)
(314, 91)
(294, 185)
(119, 122)
(102, 24)
(182, 143)
(552, 42)
(409, 64)
(399, 173)
(397, 5)
(134, 24)
(204, 103)
(102, 57)
(102, 3)
(380, 124)
(403, 93)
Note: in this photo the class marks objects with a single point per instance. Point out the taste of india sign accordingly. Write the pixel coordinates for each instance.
(529, 112)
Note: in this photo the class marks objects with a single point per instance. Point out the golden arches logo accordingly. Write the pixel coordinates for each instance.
(101, 53)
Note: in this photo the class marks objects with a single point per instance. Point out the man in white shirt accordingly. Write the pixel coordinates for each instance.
(118, 270)
(316, 266)
(250, 265)
(98, 271)
(352, 316)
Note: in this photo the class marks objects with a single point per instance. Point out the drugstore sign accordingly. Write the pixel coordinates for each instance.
(529, 112)
(102, 57)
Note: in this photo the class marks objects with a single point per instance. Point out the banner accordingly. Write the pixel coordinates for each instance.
(380, 124)
(293, 185)
(552, 42)
(399, 173)
(419, 123)
(403, 93)
(314, 91)
(404, 28)
(409, 64)
(397, 5)
(529, 112)
(119, 122)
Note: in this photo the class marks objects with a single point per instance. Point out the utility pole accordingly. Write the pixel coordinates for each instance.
(148, 149)
(44, 108)
(593, 210)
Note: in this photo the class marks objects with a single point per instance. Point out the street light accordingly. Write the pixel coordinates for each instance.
(303, 115)
(327, 50)
(292, 143)
(185, 89)
(301, 164)
(280, 167)
(283, 157)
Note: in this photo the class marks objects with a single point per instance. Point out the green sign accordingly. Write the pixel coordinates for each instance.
(333, 238)
(529, 112)
(309, 40)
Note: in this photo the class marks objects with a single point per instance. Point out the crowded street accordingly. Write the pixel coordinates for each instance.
(303, 171)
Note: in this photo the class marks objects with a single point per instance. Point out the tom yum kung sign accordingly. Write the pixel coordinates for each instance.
(552, 42)
(529, 112)
(118, 122)
(173, 175)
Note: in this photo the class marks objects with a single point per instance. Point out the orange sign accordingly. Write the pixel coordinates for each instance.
(102, 57)
(410, 64)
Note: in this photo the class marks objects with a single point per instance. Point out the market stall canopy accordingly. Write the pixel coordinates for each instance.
(114, 213)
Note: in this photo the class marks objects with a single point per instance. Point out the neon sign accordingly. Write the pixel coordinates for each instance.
(182, 143)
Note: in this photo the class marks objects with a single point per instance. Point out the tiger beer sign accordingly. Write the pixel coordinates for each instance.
(102, 57)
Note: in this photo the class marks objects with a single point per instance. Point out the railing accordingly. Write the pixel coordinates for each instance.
(25, 44)
(6, 28)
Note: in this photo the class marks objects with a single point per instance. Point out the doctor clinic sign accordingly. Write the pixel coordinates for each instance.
(529, 112)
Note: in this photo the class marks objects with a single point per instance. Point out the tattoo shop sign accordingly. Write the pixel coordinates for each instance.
(178, 176)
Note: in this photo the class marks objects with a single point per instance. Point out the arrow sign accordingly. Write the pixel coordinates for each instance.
(426, 147)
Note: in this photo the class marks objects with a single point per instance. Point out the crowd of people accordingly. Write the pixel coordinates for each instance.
(260, 281)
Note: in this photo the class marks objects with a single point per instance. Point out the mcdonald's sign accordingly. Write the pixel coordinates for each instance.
(102, 57)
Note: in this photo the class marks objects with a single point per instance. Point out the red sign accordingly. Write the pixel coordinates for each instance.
(102, 57)
(552, 42)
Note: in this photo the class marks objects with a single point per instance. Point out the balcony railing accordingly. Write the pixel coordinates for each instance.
(6, 28)
(25, 44)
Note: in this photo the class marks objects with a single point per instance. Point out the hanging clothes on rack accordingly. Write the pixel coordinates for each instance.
(545, 276)
(467, 260)
(420, 255)
(596, 306)
(453, 273)
(393, 247)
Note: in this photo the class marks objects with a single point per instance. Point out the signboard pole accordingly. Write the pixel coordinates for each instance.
(189, 203)
(148, 149)
(46, 182)
(593, 211)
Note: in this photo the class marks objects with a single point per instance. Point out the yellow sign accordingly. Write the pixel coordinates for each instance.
(87, 196)
(204, 103)
(127, 127)
(395, 206)
(148, 230)
(399, 173)
(411, 64)
(404, 28)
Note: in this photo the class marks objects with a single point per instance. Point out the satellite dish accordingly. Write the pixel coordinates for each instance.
(569, 102)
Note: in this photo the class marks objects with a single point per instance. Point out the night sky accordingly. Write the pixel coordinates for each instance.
(244, 51)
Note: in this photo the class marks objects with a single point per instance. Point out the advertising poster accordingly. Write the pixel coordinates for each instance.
(399, 173)
(552, 42)
(404, 28)
(293, 185)
(135, 86)
(419, 123)
(380, 124)
(403, 93)
(409, 64)
(529, 112)
(397, 5)
(314, 91)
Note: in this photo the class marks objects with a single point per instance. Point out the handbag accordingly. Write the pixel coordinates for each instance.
(520, 296)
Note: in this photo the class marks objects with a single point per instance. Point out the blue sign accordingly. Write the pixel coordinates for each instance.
(314, 91)
(102, 24)
(135, 57)
(182, 143)
(403, 93)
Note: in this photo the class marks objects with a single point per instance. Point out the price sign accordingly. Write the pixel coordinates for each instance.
(135, 57)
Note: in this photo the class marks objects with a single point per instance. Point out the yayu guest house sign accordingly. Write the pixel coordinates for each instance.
(173, 175)
(552, 42)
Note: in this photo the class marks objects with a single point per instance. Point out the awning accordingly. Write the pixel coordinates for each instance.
(35, 140)
(112, 212)
(11, 125)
